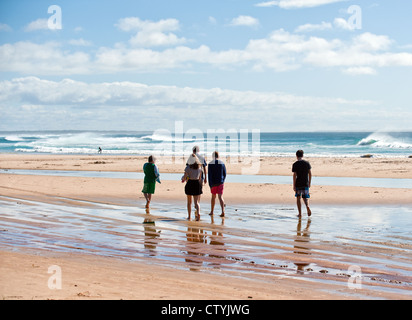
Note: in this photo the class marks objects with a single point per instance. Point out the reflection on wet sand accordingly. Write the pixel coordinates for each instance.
(216, 240)
(251, 241)
(151, 235)
(300, 247)
(198, 251)
(194, 236)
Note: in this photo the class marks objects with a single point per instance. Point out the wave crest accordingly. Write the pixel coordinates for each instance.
(384, 140)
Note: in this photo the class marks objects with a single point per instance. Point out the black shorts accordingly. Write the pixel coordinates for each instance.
(193, 188)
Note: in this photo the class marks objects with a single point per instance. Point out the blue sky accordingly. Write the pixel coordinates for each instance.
(287, 65)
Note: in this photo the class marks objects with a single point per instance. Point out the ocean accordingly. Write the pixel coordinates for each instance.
(231, 142)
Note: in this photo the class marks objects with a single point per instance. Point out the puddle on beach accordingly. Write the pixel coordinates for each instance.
(253, 241)
(234, 178)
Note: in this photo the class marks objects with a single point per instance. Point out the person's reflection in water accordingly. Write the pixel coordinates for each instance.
(150, 234)
(302, 238)
(218, 249)
(195, 237)
(212, 220)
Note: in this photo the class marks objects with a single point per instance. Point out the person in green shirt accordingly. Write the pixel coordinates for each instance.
(151, 175)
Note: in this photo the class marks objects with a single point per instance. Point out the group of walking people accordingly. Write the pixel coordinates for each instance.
(198, 173)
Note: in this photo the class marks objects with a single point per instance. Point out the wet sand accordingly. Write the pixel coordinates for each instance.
(325, 167)
(261, 250)
(125, 190)
(258, 251)
(398, 168)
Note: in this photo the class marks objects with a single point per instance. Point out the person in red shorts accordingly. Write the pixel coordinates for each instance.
(216, 172)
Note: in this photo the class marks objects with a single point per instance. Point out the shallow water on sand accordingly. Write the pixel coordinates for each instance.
(233, 178)
(368, 246)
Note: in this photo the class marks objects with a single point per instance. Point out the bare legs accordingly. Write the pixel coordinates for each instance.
(299, 204)
(196, 200)
(148, 197)
(222, 204)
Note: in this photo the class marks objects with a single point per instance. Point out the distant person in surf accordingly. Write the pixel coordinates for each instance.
(99, 150)
(151, 176)
(302, 178)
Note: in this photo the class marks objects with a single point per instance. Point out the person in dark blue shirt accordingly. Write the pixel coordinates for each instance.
(216, 172)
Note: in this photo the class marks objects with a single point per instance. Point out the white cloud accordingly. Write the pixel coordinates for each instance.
(371, 42)
(343, 24)
(29, 101)
(267, 4)
(154, 39)
(151, 34)
(80, 42)
(212, 20)
(36, 91)
(360, 71)
(364, 52)
(314, 27)
(136, 24)
(279, 51)
(292, 4)
(283, 50)
(39, 24)
(5, 27)
(143, 59)
(247, 21)
(48, 58)
(32, 103)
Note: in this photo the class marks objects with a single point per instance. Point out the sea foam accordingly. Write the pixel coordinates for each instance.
(384, 140)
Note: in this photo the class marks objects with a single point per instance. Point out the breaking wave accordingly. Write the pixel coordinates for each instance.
(385, 140)
(164, 142)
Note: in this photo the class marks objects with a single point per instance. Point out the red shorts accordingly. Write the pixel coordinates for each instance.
(217, 190)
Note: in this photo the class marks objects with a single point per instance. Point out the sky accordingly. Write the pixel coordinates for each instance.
(287, 65)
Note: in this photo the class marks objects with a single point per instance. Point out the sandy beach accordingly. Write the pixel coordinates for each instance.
(96, 276)
(327, 167)
(24, 276)
(92, 188)
(90, 90)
